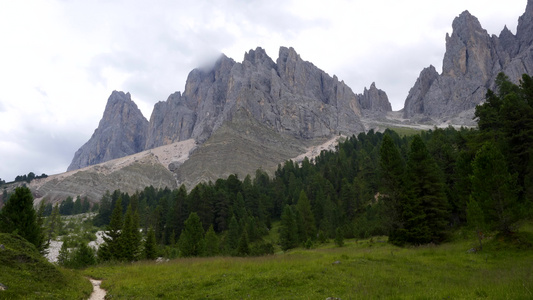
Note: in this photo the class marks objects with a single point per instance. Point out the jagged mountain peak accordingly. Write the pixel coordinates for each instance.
(121, 132)
(471, 63)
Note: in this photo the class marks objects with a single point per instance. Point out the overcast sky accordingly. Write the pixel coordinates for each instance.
(60, 60)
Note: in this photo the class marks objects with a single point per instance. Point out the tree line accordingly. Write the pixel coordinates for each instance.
(415, 189)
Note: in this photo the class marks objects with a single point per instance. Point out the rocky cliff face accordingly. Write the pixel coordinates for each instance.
(121, 132)
(471, 63)
(290, 97)
(374, 100)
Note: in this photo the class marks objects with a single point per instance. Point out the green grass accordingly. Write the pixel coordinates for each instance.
(405, 131)
(365, 269)
(27, 274)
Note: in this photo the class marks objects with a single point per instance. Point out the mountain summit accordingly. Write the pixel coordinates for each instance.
(291, 99)
(471, 63)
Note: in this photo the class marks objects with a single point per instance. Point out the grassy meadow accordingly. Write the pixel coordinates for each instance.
(360, 270)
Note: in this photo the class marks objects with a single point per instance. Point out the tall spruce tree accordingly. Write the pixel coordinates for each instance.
(288, 235)
(150, 244)
(494, 188)
(305, 218)
(425, 209)
(211, 242)
(130, 237)
(192, 241)
(19, 217)
(392, 173)
(110, 249)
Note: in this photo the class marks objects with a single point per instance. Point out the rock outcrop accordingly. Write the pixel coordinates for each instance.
(471, 63)
(374, 100)
(121, 132)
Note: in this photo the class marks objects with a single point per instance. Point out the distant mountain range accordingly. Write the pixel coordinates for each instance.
(238, 117)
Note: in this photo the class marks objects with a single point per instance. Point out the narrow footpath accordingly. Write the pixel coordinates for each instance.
(98, 292)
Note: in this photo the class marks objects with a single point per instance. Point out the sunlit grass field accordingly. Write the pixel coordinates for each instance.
(368, 269)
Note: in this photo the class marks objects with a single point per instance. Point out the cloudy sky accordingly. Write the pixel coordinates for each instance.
(60, 60)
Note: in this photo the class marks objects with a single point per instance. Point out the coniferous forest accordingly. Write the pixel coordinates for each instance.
(414, 189)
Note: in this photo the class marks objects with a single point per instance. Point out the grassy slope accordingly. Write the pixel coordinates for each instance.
(366, 269)
(27, 275)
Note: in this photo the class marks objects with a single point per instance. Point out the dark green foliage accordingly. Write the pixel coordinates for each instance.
(392, 184)
(243, 249)
(19, 217)
(476, 220)
(306, 218)
(130, 237)
(494, 188)
(211, 242)
(339, 237)
(67, 207)
(53, 225)
(288, 230)
(110, 249)
(150, 245)
(192, 241)
(413, 188)
(232, 237)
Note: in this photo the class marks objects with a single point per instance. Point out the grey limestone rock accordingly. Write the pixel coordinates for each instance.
(290, 96)
(121, 131)
(374, 99)
(471, 63)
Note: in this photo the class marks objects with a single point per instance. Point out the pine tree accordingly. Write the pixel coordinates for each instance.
(392, 172)
(18, 216)
(494, 188)
(425, 209)
(232, 236)
(150, 244)
(54, 224)
(339, 237)
(64, 255)
(130, 237)
(192, 241)
(211, 242)
(243, 249)
(306, 217)
(288, 235)
(111, 249)
(476, 220)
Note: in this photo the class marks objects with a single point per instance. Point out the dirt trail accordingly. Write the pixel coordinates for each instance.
(98, 292)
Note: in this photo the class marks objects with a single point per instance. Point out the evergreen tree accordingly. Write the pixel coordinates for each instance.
(211, 242)
(54, 224)
(150, 244)
(494, 188)
(76, 207)
(339, 237)
(476, 220)
(111, 249)
(192, 241)
(232, 237)
(18, 216)
(425, 211)
(64, 255)
(82, 257)
(306, 217)
(243, 249)
(288, 235)
(130, 237)
(392, 172)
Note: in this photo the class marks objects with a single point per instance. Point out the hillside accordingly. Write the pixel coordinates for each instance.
(25, 274)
